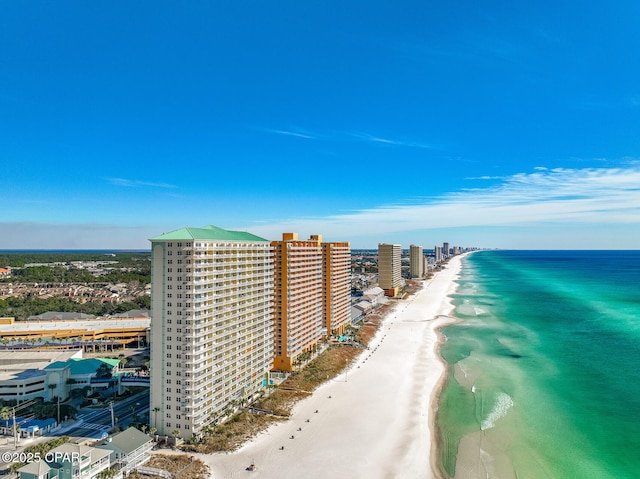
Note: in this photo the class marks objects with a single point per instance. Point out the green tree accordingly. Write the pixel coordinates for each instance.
(5, 413)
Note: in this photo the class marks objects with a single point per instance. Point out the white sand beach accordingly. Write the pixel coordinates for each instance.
(375, 420)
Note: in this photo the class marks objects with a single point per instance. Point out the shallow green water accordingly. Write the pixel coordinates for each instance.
(544, 364)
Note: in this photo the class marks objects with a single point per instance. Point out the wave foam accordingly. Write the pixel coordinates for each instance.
(500, 409)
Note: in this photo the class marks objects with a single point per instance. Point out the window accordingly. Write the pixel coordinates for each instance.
(168, 416)
(168, 390)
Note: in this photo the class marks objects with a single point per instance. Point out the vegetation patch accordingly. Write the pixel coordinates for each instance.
(39, 450)
(180, 466)
(233, 433)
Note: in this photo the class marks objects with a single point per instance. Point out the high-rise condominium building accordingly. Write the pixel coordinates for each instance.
(445, 249)
(299, 298)
(389, 268)
(211, 327)
(336, 271)
(416, 261)
(438, 253)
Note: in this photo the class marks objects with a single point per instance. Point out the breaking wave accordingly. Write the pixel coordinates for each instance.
(500, 409)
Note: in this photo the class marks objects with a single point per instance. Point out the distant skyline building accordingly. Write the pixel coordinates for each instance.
(437, 250)
(416, 261)
(389, 268)
(212, 294)
(445, 249)
(298, 298)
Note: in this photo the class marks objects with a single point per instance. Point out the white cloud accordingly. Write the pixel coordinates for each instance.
(297, 134)
(347, 136)
(137, 183)
(557, 196)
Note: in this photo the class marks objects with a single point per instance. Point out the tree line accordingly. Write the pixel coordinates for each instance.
(17, 259)
(22, 308)
(61, 274)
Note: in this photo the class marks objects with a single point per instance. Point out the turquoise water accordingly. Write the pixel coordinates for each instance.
(544, 366)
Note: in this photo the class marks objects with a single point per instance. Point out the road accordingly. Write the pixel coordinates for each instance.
(94, 423)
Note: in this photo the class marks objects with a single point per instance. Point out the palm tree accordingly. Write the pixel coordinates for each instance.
(52, 387)
(123, 362)
(5, 413)
(156, 410)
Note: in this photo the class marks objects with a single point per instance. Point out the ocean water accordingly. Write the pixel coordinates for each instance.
(544, 366)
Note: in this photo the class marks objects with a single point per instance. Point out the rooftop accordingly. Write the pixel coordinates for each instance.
(128, 440)
(207, 233)
(83, 366)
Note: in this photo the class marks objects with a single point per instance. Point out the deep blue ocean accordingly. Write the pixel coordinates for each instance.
(544, 366)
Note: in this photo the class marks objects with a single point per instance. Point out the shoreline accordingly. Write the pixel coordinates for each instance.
(378, 417)
(436, 437)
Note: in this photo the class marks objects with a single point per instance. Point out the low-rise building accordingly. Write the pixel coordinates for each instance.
(122, 452)
(131, 448)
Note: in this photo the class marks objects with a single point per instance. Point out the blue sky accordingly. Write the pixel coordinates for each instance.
(490, 124)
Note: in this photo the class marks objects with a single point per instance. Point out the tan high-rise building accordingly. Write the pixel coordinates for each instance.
(299, 298)
(336, 271)
(212, 299)
(416, 261)
(389, 268)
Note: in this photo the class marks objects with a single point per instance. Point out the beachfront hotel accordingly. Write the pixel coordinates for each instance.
(298, 298)
(389, 268)
(336, 271)
(438, 254)
(416, 261)
(211, 327)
